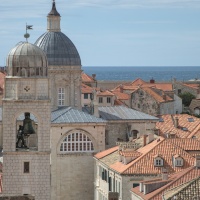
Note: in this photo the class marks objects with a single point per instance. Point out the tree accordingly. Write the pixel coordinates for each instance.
(186, 98)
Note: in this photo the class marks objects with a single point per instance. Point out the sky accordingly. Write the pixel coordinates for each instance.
(112, 32)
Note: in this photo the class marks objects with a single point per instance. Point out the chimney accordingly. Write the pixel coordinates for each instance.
(95, 105)
(152, 80)
(164, 175)
(121, 88)
(94, 76)
(144, 140)
(150, 137)
(164, 97)
(197, 162)
(176, 122)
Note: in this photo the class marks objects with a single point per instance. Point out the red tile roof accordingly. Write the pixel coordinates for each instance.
(162, 147)
(121, 96)
(86, 78)
(86, 89)
(105, 93)
(168, 125)
(106, 152)
(175, 180)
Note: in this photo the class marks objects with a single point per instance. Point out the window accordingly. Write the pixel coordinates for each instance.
(85, 96)
(61, 96)
(26, 167)
(158, 162)
(100, 99)
(110, 183)
(135, 185)
(77, 142)
(178, 161)
(179, 91)
(108, 100)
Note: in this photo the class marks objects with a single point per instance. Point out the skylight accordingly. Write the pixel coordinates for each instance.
(184, 129)
(161, 120)
(190, 119)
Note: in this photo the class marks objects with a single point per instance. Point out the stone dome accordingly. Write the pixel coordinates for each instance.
(27, 60)
(59, 49)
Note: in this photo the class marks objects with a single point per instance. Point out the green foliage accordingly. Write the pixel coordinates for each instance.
(186, 98)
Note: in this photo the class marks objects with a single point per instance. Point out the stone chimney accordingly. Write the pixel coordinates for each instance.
(94, 76)
(95, 105)
(144, 140)
(198, 92)
(152, 80)
(164, 97)
(150, 138)
(197, 161)
(121, 88)
(164, 175)
(176, 124)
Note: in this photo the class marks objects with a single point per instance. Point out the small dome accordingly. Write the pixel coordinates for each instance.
(26, 60)
(59, 49)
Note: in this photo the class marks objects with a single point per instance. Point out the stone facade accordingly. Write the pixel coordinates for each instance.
(72, 173)
(119, 130)
(69, 78)
(26, 95)
(145, 102)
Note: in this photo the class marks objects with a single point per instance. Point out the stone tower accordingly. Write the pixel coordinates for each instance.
(64, 63)
(26, 167)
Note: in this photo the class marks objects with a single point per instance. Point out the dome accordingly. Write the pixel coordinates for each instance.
(59, 49)
(26, 60)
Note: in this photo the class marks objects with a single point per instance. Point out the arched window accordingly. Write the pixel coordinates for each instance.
(77, 142)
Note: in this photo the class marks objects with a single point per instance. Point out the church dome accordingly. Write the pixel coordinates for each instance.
(59, 49)
(26, 60)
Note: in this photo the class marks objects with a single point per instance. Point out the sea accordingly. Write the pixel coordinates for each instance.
(145, 73)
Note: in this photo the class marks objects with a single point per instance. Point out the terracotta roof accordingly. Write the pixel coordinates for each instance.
(184, 191)
(159, 97)
(86, 89)
(117, 102)
(188, 144)
(106, 152)
(162, 147)
(86, 78)
(130, 153)
(168, 125)
(176, 179)
(193, 86)
(121, 96)
(105, 93)
(138, 81)
(162, 86)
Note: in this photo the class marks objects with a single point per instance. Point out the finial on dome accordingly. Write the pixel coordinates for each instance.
(27, 35)
(53, 10)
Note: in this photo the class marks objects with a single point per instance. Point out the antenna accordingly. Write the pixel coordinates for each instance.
(27, 35)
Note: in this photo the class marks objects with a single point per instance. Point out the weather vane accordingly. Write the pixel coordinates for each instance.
(27, 35)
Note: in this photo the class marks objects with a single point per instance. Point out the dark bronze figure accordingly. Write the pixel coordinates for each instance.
(20, 137)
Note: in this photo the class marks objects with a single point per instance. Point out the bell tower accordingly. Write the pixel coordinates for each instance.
(26, 123)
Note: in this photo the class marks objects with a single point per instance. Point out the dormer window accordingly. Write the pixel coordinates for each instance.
(178, 161)
(158, 161)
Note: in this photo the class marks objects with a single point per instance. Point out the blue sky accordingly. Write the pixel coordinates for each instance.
(112, 32)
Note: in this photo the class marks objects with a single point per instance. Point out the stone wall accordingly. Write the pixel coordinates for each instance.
(17, 198)
(117, 130)
(72, 173)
